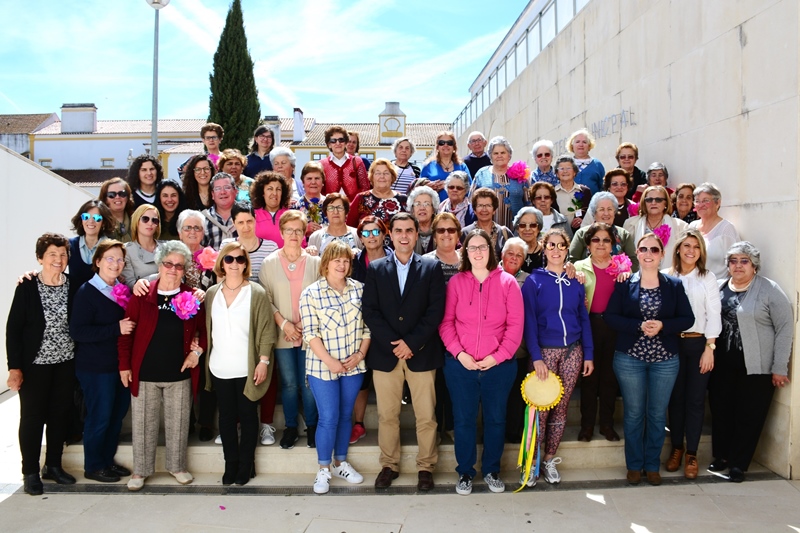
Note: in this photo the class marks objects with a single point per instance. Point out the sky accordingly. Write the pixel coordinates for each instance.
(336, 60)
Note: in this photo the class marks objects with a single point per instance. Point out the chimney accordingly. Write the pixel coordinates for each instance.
(78, 118)
(274, 124)
(391, 123)
(299, 130)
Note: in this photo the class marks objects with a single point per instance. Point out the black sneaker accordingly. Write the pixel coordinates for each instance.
(464, 485)
(290, 436)
(311, 433)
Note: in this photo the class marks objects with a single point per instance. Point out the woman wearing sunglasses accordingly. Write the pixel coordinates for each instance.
(140, 252)
(442, 162)
(527, 225)
(655, 216)
(627, 155)
(240, 342)
(456, 202)
(648, 312)
(559, 338)
(93, 224)
(336, 207)
(116, 194)
(542, 153)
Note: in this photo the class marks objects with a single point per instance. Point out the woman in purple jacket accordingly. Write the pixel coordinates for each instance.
(481, 329)
(559, 338)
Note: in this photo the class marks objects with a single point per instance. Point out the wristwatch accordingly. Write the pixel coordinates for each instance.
(711, 345)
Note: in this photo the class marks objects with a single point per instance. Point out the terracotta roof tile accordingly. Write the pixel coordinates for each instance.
(423, 134)
(10, 124)
(183, 126)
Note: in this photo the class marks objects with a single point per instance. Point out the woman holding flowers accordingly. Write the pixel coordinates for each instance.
(510, 183)
(158, 361)
(655, 216)
(313, 179)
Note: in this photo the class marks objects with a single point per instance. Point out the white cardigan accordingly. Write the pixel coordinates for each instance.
(637, 226)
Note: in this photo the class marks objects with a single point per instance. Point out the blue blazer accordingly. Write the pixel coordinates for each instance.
(624, 315)
(413, 317)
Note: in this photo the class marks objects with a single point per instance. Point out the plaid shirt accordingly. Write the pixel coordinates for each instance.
(214, 235)
(337, 320)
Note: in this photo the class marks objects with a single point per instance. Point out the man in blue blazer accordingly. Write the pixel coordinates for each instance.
(403, 304)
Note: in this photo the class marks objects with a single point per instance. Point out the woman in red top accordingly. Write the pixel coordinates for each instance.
(343, 171)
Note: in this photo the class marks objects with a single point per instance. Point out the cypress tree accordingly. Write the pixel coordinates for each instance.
(233, 102)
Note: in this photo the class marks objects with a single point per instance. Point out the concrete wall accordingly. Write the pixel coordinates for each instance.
(32, 201)
(711, 89)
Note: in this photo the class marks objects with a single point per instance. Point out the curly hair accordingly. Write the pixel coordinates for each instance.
(133, 171)
(190, 186)
(263, 179)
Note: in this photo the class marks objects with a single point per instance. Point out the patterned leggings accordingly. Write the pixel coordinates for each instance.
(567, 363)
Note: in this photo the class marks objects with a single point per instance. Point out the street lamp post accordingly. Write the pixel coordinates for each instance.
(157, 5)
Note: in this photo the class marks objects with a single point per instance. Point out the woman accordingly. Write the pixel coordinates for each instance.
(542, 153)
(140, 252)
(381, 200)
(627, 155)
(240, 341)
(258, 158)
(423, 203)
(270, 193)
(196, 181)
(158, 362)
(403, 148)
(559, 338)
(442, 162)
(481, 330)
(313, 178)
(284, 275)
(526, 225)
(543, 198)
(602, 209)
(336, 207)
(599, 284)
(718, 232)
(513, 194)
(283, 162)
(353, 147)
(244, 220)
(446, 231)
(232, 162)
(572, 197)
(116, 194)
(654, 217)
(96, 330)
(456, 202)
(687, 405)
(93, 224)
(170, 203)
(754, 351)
(343, 171)
(647, 312)
(618, 182)
(41, 362)
(590, 171)
(212, 134)
(144, 176)
(484, 203)
(338, 340)
(683, 201)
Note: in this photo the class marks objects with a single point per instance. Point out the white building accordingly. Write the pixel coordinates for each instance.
(16, 130)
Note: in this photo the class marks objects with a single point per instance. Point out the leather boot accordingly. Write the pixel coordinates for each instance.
(690, 467)
(674, 461)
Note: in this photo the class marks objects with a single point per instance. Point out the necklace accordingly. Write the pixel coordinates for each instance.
(292, 263)
(739, 289)
(234, 289)
(448, 168)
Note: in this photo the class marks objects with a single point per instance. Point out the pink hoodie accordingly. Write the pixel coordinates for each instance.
(483, 319)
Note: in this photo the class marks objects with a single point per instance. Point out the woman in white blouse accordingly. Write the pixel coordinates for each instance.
(687, 404)
(718, 233)
(240, 342)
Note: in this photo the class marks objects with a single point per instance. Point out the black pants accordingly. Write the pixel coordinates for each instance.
(444, 405)
(45, 398)
(688, 401)
(602, 382)
(206, 400)
(515, 407)
(739, 405)
(233, 405)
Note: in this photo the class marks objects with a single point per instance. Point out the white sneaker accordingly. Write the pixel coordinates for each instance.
(135, 484)
(218, 440)
(551, 474)
(531, 482)
(322, 483)
(267, 435)
(494, 482)
(464, 485)
(346, 471)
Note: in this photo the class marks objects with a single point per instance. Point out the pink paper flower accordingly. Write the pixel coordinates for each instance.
(663, 232)
(206, 258)
(185, 305)
(519, 171)
(121, 294)
(620, 263)
(633, 209)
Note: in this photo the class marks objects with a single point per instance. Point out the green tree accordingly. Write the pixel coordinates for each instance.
(234, 98)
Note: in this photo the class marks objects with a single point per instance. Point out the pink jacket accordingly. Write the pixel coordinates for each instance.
(483, 319)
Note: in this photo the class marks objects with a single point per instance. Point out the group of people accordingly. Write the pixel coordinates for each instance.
(443, 286)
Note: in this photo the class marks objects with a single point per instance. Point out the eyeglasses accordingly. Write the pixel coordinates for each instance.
(220, 188)
(442, 142)
(455, 188)
(473, 141)
(229, 259)
(705, 201)
(734, 262)
(187, 229)
(423, 204)
(211, 138)
(480, 207)
(338, 140)
(655, 250)
(290, 231)
(146, 219)
(114, 260)
(479, 248)
(625, 156)
(264, 136)
(96, 216)
(367, 232)
(542, 197)
(335, 208)
(442, 231)
(618, 184)
(651, 200)
(539, 156)
(531, 225)
(114, 194)
(169, 265)
(553, 245)
(565, 169)
(598, 240)
(202, 170)
(385, 174)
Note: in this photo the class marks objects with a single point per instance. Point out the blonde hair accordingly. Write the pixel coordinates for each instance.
(219, 270)
(137, 216)
(335, 250)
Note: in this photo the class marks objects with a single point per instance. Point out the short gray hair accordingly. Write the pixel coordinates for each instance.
(528, 210)
(459, 175)
(401, 139)
(499, 140)
(747, 248)
(657, 166)
(166, 248)
(710, 189)
(282, 150)
(476, 133)
(221, 176)
(514, 241)
(186, 214)
(422, 189)
(602, 195)
(544, 142)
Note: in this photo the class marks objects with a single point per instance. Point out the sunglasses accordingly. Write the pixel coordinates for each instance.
(598, 240)
(113, 194)
(655, 250)
(367, 232)
(442, 231)
(553, 245)
(626, 157)
(540, 156)
(655, 200)
(338, 140)
(542, 197)
(229, 259)
(743, 262)
(169, 265)
(532, 225)
(442, 142)
(97, 217)
(211, 138)
(455, 188)
(146, 219)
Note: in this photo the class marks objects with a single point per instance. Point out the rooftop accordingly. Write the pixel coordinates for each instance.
(423, 134)
(11, 124)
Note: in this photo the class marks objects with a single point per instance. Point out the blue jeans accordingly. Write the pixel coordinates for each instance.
(646, 390)
(336, 399)
(292, 371)
(469, 390)
(107, 402)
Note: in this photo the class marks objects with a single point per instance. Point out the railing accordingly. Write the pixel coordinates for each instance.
(542, 27)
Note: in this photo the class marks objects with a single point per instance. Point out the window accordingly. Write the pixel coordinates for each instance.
(316, 156)
(580, 4)
(501, 78)
(492, 88)
(46, 163)
(107, 162)
(511, 66)
(548, 23)
(533, 41)
(564, 13)
(522, 50)
(369, 155)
